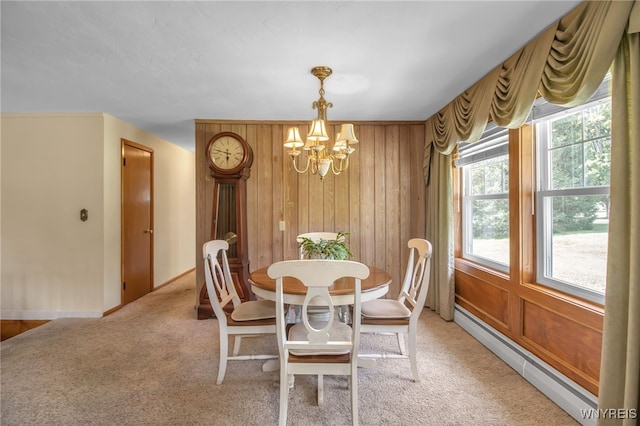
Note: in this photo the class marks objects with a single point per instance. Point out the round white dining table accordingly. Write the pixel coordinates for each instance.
(374, 286)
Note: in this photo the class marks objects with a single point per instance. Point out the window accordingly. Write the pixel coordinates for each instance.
(485, 200)
(572, 200)
(565, 224)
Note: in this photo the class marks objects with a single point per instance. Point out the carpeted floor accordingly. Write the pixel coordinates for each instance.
(153, 363)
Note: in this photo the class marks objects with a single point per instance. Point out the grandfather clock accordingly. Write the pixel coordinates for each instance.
(230, 159)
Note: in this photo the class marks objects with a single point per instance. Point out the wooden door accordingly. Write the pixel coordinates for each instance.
(137, 221)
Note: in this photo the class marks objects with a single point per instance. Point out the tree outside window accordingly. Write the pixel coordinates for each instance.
(574, 150)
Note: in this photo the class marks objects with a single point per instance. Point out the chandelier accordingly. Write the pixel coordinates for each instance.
(318, 159)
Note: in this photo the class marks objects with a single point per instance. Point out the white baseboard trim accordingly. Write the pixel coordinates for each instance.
(46, 315)
(568, 395)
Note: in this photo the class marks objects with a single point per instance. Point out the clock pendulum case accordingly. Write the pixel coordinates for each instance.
(230, 159)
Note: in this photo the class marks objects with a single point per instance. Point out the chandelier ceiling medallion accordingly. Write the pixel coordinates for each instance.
(319, 160)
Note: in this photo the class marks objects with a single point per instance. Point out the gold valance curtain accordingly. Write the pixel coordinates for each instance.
(566, 63)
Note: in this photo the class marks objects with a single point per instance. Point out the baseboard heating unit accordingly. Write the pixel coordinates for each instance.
(572, 398)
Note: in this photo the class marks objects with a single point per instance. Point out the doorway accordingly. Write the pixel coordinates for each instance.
(137, 221)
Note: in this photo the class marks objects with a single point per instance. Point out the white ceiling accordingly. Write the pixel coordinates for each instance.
(159, 65)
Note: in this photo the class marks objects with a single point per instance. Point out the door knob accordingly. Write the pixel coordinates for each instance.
(148, 231)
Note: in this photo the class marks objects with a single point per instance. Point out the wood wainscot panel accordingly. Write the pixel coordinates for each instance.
(573, 347)
(482, 297)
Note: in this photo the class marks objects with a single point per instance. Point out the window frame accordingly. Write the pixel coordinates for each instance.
(544, 199)
(493, 144)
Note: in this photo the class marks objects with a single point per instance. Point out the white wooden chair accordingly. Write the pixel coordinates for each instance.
(399, 316)
(316, 347)
(251, 318)
(315, 237)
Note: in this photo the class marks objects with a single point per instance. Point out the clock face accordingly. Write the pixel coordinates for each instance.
(226, 152)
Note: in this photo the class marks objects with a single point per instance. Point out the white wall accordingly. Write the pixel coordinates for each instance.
(53, 165)
(174, 205)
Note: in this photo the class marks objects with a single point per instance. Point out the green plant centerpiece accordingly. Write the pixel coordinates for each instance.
(336, 249)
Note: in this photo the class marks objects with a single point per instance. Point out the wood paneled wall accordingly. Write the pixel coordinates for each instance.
(379, 200)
